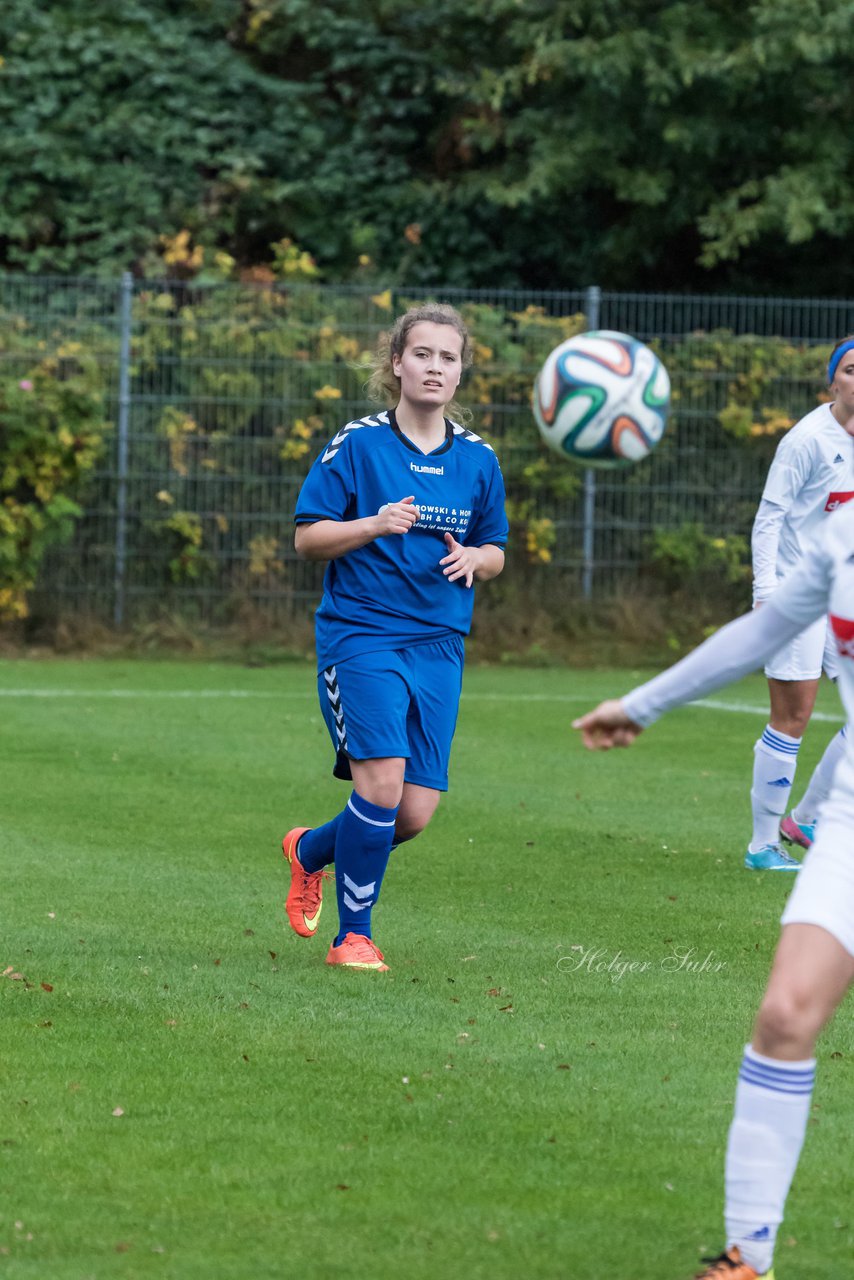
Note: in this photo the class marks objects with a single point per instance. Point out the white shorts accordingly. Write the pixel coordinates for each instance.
(805, 657)
(824, 889)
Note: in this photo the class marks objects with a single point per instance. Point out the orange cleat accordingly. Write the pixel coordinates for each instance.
(305, 896)
(355, 951)
(731, 1266)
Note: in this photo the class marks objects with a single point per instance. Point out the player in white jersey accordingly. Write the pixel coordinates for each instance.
(811, 475)
(814, 963)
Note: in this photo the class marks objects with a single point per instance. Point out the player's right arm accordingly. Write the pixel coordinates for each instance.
(733, 652)
(789, 472)
(764, 541)
(329, 539)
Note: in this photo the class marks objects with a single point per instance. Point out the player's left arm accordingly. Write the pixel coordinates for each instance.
(474, 564)
(482, 557)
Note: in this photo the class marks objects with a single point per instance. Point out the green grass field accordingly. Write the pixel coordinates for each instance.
(540, 1087)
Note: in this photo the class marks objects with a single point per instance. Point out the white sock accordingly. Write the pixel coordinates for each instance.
(772, 1103)
(775, 759)
(819, 785)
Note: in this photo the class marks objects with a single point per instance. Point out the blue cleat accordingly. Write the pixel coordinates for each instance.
(794, 832)
(771, 857)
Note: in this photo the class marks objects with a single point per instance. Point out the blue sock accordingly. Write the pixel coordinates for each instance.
(362, 848)
(316, 848)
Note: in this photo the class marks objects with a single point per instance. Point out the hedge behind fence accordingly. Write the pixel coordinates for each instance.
(229, 392)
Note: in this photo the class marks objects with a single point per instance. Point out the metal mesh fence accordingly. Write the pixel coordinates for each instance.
(220, 394)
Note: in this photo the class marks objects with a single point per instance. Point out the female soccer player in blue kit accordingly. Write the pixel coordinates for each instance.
(407, 507)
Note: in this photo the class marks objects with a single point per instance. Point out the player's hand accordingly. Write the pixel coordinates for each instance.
(607, 726)
(397, 517)
(460, 562)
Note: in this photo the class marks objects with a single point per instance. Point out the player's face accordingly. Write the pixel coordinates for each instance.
(431, 365)
(842, 390)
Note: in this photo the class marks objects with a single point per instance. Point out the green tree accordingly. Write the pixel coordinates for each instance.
(547, 144)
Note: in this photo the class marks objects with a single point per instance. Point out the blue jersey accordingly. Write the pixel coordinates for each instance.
(392, 593)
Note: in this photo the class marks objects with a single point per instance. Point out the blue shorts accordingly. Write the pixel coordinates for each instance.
(396, 703)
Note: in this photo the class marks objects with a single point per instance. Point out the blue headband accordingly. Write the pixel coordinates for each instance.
(833, 364)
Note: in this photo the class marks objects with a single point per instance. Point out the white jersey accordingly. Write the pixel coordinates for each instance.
(823, 583)
(812, 474)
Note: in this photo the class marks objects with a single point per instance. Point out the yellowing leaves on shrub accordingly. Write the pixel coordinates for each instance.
(53, 431)
(177, 427)
(177, 251)
(292, 262)
(297, 445)
(540, 537)
(262, 556)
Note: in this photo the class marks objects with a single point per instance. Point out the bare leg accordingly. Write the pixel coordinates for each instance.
(809, 977)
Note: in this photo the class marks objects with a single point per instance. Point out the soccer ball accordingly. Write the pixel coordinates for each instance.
(602, 399)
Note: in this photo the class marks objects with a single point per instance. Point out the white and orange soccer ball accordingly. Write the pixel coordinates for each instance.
(601, 399)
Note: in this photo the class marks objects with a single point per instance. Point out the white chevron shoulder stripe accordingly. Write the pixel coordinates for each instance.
(371, 420)
(470, 435)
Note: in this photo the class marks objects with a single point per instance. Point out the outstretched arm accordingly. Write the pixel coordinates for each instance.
(734, 651)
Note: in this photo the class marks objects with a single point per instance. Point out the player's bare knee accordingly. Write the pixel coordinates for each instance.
(411, 820)
(793, 725)
(788, 1016)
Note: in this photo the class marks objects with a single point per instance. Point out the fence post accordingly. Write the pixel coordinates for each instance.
(592, 299)
(122, 427)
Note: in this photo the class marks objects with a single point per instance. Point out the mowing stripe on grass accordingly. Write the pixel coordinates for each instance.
(580, 699)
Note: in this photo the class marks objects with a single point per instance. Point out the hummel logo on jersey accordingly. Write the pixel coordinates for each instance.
(427, 471)
(781, 782)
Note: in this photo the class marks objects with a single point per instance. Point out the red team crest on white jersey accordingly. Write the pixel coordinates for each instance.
(837, 500)
(843, 631)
